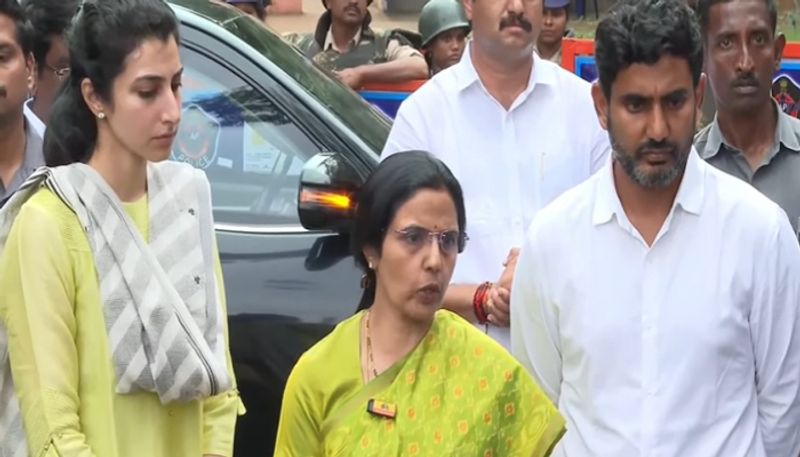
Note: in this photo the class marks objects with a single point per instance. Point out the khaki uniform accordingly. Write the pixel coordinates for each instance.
(556, 58)
(368, 47)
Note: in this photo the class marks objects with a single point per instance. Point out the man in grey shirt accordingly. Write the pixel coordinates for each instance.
(20, 143)
(750, 137)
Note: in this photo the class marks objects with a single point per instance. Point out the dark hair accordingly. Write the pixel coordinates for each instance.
(643, 31)
(703, 10)
(48, 18)
(104, 34)
(261, 10)
(13, 10)
(392, 184)
(259, 5)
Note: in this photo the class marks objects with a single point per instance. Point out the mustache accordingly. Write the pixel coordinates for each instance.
(746, 80)
(516, 20)
(656, 146)
(353, 8)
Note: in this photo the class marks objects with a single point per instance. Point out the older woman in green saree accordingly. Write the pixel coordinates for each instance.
(402, 376)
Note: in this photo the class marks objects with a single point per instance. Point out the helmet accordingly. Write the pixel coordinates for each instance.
(439, 16)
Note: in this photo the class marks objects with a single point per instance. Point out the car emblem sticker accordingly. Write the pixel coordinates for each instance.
(198, 138)
(787, 93)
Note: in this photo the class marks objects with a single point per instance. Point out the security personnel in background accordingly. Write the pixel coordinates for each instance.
(255, 8)
(751, 137)
(444, 28)
(344, 43)
(554, 30)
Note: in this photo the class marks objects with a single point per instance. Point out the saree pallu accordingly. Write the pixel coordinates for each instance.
(458, 393)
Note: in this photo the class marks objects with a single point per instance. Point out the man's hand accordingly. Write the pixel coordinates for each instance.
(499, 307)
(508, 274)
(499, 303)
(353, 77)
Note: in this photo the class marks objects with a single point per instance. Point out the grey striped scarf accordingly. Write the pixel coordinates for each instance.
(160, 301)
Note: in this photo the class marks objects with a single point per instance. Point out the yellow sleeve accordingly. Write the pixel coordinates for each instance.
(38, 284)
(301, 418)
(221, 411)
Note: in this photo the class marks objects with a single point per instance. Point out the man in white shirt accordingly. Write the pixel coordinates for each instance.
(49, 20)
(516, 131)
(657, 303)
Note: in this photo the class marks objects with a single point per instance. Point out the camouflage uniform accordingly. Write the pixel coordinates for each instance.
(371, 47)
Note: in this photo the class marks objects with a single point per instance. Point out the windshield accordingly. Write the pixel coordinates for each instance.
(369, 123)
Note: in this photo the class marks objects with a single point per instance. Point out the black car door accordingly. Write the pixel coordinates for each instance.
(286, 287)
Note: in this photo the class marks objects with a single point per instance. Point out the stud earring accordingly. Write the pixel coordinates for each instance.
(101, 115)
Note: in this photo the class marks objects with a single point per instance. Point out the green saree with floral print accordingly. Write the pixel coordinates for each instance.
(458, 393)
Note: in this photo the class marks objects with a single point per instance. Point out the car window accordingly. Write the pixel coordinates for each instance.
(250, 149)
(369, 122)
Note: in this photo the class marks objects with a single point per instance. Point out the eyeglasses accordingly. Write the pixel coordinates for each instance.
(450, 241)
(59, 73)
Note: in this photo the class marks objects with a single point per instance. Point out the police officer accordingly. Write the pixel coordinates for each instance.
(444, 28)
(255, 8)
(554, 29)
(344, 43)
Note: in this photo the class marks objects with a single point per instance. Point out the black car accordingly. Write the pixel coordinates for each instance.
(256, 114)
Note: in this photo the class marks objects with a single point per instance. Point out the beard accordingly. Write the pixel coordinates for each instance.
(663, 176)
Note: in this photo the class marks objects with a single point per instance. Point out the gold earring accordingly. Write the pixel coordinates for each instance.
(101, 115)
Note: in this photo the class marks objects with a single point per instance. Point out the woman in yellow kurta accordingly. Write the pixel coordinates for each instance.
(403, 377)
(118, 114)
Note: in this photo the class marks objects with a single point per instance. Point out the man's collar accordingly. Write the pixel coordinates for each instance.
(32, 121)
(690, 196)
(34, 153)
(467, 75)
(785, 135)
(329, 43)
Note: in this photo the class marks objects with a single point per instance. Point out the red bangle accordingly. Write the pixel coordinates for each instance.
(478, 301)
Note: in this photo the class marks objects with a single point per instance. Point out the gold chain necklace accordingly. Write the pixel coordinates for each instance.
(370, 359)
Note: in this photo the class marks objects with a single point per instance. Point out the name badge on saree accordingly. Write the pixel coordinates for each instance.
(382, 408)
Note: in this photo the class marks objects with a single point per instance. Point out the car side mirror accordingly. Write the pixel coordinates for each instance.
(328, 187)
